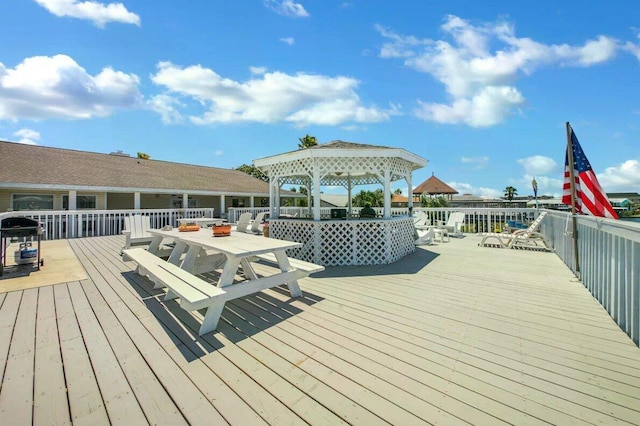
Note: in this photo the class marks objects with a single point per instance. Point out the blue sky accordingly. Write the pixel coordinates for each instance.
(480, 89)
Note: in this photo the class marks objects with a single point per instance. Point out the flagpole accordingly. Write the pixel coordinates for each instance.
(572, 184)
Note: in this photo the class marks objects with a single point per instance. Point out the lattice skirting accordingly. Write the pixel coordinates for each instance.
(350, 242)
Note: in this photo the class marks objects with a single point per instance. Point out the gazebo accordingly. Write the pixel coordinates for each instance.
(346, 164)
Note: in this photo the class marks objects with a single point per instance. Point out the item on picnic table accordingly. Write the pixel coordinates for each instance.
(221, 230)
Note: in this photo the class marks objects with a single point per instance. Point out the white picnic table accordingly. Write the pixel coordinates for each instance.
(202, 221)
(238, 249)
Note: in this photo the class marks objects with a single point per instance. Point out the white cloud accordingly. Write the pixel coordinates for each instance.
(288, 40)
(537, 165)
(477, 162)
(621, 178)
(27, 136)
(167, 107)
(99, 13)
(467, 188)
(218, 153)
(258, 70)
(287, 8)
(43, 87)
(479, 65)
(301, 99)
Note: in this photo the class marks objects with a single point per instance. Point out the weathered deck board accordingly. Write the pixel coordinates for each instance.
(511, 337)
(50, 403)
(16, 395)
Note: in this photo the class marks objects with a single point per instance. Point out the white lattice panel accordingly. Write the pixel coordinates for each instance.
(351, 242)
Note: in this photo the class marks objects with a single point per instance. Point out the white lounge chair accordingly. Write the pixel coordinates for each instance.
(454, 223)
(243, 223)
(256, 224)
(135, 230)
(421, 220)
(522, 238)
(424, 236)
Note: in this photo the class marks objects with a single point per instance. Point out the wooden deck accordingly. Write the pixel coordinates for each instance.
(451, 334)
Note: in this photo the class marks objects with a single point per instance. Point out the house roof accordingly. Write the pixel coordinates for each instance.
(433, 186)
(38, 166)
(399, 198)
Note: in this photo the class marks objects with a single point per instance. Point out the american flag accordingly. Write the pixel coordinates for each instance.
(590, 198)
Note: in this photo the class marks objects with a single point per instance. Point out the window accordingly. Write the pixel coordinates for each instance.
(32, 202)
(83, 202)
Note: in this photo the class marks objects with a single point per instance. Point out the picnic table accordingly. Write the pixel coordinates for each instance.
(199, 251)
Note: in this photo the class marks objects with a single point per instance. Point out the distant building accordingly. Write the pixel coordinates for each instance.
(431, 188)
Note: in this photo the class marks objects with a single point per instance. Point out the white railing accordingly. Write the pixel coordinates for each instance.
(608, 259)
(476, 219)
(63, 224)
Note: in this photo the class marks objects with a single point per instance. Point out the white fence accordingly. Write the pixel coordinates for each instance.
(608, 259)
(63, 224)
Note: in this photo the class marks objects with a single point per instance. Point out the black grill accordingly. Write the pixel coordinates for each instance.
(18, 227)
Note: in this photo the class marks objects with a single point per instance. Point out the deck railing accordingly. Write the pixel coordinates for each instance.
(608, 260)
(63, 224)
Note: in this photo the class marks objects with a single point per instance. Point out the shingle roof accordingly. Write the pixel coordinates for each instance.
(32, 164)
(433, 186)
(338, 144)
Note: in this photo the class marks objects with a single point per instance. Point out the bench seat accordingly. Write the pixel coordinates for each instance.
(306, 267)
(194, 293)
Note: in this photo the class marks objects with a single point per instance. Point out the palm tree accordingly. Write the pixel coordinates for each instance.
(510, 192)
(307, 142)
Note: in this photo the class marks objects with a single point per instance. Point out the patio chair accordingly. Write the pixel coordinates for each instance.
(257, 224)
(521, 238)
(454, 223)
(421, 220)
(424, 236)
(243, 223)
(135, 230)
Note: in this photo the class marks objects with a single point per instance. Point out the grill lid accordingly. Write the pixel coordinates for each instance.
(19, 226)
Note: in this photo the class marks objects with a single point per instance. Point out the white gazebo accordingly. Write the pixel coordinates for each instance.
(346, 164)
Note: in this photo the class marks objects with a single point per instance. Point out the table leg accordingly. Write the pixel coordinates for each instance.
(176, 253)
(283, 263)
(154, 246)
(228, 272)
(190, 259)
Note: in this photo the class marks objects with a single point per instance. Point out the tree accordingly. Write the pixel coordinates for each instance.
(307, 142)
(375, 198)
(433, 202)
(143, 156)
(253, 171)
(510, 192)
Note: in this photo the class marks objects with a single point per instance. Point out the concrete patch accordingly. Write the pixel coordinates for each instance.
(60, 265)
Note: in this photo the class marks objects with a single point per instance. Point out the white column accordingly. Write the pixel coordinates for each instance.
(223, 207)
(277, 201)
(272, 207)
(316, 193)
(136, 200)
(252, 201)
(349, 193)
(410, 196)
(387, 194)
(185, 201)
(72, 200)
(309, 205)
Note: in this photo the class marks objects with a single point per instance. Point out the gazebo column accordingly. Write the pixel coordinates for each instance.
(272, 210)
(387, 194)
(410, 192)
(277, 200)
(349, 188)
(309, 205)
(316, 193)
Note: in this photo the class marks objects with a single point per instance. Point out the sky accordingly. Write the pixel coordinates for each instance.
(482, 90)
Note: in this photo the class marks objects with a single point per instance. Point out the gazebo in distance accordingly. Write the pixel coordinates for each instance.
(433, 187)
(342, 239)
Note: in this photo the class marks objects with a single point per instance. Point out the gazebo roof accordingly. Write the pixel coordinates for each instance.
(433, 186)
(338, 162)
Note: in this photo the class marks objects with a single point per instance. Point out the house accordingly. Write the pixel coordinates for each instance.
(43, 178)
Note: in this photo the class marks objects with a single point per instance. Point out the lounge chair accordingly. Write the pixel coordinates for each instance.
(454, 223)
(522, 238)
(135, 230)
(243, 223)
(257, 223)
(421, 220)
(424, 236)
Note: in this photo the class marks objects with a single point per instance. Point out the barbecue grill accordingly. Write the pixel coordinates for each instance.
(18, 227)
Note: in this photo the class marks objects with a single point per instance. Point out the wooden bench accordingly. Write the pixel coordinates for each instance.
(306, 267)
(194, 293)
